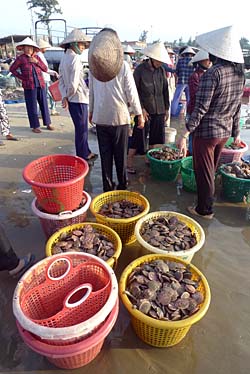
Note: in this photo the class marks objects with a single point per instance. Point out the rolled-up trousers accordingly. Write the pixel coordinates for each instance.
(206, 155)
(8, 258)
(113, 145)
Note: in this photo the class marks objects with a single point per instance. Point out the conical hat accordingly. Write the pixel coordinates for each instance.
(76, 35)
(26, 41)
(43, 44)
(158, 52)
(200, 56)
(170, 51)
(105, 55)
(188, 50)
(223, 43)
(128, 49)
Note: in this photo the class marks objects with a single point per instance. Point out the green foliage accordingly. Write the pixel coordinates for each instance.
(244, 43)
(46, 7)
(143, 36)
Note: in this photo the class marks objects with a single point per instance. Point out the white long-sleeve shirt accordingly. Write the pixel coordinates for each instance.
(71, 79)
(46, 76)
(109, 101)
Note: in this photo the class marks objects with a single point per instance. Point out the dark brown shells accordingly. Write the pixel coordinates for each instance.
(238, 170)
(121, 209)
(166, 154)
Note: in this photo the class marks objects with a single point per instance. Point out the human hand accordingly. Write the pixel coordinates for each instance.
(33, 59)
(166, 115)
(141, 121)
(237, 140)
(90, 118)
(181, 144)
(65, 103)
(56, 74)
(145, 115)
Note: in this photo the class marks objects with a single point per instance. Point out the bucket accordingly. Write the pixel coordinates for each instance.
(170, 134)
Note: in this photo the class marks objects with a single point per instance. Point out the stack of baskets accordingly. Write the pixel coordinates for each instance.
(57, 182)
(65, 306)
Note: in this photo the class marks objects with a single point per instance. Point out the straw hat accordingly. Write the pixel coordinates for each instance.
(188, 50)
(76, 35)
(128, 49)
(223, 43)
(105, 55)
(170, 51)
(200, 56)
(158, 52)
(26, 41)
(43, 44)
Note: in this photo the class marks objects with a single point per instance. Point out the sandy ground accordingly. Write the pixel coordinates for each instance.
(219, 343)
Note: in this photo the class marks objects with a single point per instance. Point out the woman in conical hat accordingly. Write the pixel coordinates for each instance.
(74, 90)
(216, 112)
(29, 68)
(152, 87)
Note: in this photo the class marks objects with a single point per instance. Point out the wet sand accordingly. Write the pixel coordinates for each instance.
(219, 343)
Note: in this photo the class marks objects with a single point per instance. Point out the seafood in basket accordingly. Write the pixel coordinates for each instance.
(237, 170)
(166, 154)
(121, 209)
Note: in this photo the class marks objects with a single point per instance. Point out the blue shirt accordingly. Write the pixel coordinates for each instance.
(184, 71)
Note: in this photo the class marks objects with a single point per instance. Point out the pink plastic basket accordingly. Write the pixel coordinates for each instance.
(75, 355)
(232, 155)
(55, 92)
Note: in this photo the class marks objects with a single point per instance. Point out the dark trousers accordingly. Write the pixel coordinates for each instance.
(79, 115)
(113, 144)
(206, 154)
(38, 94)
(8, 258)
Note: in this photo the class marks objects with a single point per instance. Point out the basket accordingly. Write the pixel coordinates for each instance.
(234, 189)
(163, 170)
(57, 181)
(54, 222)
(188, 175)
(101, 229)
(75, 355)
(124, 227)
(64, 272)
(196, 229)
(55, 92)
(232, 155)
(162, 333)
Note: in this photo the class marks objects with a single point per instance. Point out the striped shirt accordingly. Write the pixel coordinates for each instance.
(183, 70)
(217, 107)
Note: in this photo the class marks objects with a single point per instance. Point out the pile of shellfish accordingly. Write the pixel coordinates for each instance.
(234, 146)
(238, 170)
(166, 154)
(85, 240)
(121, 209)
(164, 290)
(169, 234)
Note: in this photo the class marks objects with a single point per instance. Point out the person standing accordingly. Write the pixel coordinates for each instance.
(128, 53)
(44, 45)
(112, 93)
(28, 67)
(183, 72)
(216, 112)
(74, 91)
(4, 122)
(152, 87)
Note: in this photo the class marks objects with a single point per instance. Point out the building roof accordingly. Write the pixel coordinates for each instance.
(15, 38)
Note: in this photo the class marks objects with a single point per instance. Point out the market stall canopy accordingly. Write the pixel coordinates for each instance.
(13, 38)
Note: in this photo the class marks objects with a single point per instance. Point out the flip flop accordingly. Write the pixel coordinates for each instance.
(192, 210)
(29, 260)
(92, 156)
(11, 137)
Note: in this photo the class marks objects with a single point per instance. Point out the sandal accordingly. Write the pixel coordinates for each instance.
(11, 137)
(37, 130)
(193, 211)
(92, 156)
(131, 170)
(51, 128)
(28, 262)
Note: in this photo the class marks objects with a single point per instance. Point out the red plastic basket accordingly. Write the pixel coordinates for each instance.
(57, 181)
(54, 222)
(55, 92)
(75, 355)
(232, 155)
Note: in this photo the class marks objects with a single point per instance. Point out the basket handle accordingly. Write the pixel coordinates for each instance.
(65, 213)
(69, 263)
(85, 286)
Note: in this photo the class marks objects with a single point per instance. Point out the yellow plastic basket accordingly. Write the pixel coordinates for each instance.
(124, 227)
(100, 229)
(162, 333)
(196, 229)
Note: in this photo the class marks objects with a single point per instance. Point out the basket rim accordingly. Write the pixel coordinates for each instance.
(162, 161)
(152, 322)
(230, 176)
(187, 252)
(240, 150)
(95, 225)
(120, 220)
(62, 215)
(54, 185)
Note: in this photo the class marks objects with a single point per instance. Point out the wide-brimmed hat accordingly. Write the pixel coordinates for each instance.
(170, 51)
(200, 56)
(223, 43)
(158, 52)
(188, 50)
(105, 55)
(128, 49)
(76, 35)
(26, 41)
(43, 44)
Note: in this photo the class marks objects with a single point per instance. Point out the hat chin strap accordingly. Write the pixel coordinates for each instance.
(76, 48)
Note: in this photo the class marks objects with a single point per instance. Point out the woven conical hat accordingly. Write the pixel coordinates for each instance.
(223, 43)
(188, 50)
(105, 55)
(76, 35)
(26, 41)
(128, 49)
(158, 52)
(200, 56)
(43, 44)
